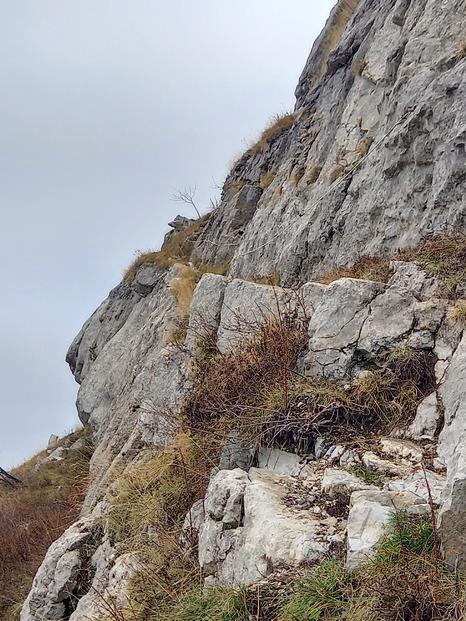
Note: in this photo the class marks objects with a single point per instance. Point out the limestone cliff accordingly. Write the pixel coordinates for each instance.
(372, 160)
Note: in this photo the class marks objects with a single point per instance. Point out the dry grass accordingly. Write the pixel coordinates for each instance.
(314, 174)
(369, 268)
(149, 507)
(336, 173)
(32, 517)
(266, 180)
(458, 311)
(177, 248)
(461, 53)
(364, 146)
(442, 256)
(254, 390)
(279, 125)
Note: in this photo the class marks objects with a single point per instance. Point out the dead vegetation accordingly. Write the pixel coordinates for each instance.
(32, 516)
(256, 391)
(280, 123)
(148, 509)
(441, 255)
(178, 247)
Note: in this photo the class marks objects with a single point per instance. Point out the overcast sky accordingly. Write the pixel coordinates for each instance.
(106, 106)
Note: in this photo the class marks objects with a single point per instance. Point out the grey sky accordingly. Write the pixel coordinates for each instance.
(106, 107)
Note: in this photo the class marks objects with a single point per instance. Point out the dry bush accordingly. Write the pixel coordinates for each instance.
(229, 387)
(255, 390)
(279, 124)
(32, 517)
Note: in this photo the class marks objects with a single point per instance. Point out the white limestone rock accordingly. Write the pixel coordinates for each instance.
(246, 306)
(56, 578)
(340, 483)
(370, 512)
(401, 448)
(416, 485)
(383, 466)
(270, 535)
(377, 332)
(452, 451)
(413, 278)
(205, 309)
(336, 325)
(424, 425)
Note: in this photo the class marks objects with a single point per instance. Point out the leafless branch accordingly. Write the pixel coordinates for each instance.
(186, 195)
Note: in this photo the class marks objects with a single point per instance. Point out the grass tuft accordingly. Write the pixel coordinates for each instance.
(33, 516)
(280, 123)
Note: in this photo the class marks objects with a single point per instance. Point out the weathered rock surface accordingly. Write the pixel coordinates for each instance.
(248, 531)
(58, 575)
(372, 105)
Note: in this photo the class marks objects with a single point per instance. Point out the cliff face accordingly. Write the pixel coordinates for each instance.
(374, 158)
(371, 160)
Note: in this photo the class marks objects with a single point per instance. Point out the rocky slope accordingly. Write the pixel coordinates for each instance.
(371, 160)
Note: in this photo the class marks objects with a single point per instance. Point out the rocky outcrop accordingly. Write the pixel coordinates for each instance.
(375, 158)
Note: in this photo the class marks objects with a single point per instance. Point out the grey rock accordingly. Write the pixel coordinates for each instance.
(336, 325)
(452, 452)
(411, 277)
(236, 453)
(53, 440)
(146, 278)
(225, 495)
(379, 81)
(377, 332)
(283, 462)
(340, 483)
(320, 447)
(349, 458)
(56, 578)
(415, 484)
(383, 466)
(421, 339)
(205, 310)
(192, 523)
(180, 222)
(246, 306)
(369, 516)
(100, 328)
(401, 448)
(424, 425)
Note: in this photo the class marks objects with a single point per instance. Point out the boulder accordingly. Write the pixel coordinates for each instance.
(269, 535)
